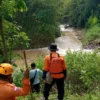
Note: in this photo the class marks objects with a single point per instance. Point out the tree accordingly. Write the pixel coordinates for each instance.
(2, 36)
(79, 11)
(41, 21)
(8, 26)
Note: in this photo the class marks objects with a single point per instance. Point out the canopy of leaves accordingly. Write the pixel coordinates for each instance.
(78, 11)
(41, 21)
(10, 33)
(10, 27)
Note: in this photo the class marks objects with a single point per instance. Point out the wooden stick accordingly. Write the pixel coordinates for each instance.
(27, 68)
(25, 59)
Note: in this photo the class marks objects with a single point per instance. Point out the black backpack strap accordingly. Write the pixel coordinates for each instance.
(35, 73)
(33, 78)
(51, 55)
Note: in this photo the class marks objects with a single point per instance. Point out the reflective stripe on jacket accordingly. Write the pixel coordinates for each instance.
(10, 91)
(47, 65)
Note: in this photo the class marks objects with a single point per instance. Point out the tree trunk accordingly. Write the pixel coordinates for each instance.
(2, 37)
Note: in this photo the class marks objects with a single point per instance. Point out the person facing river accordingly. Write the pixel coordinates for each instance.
(9, 91)
(35, 75)
(54, 63)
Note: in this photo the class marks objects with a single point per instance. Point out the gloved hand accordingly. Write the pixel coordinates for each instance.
(65, 74)
(26, 74)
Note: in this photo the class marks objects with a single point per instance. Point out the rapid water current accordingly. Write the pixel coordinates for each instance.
(68, 41)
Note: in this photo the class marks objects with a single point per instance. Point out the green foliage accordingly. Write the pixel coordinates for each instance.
(40, 22)
(83, 97)
(34, 95)
(66, 97)
(17, 77)
(92, 21)
(9, 8)
(79, 11)
(84, 14)
(83, 77)
(13, 37)
(83, 71)
(16, 38)
(1, 58)
(39, 62)
(92, 34)
(21, 5)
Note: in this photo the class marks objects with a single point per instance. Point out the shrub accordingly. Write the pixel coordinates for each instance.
(83, 71)
(92, 34)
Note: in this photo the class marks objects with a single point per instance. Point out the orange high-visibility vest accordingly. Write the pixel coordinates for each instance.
(59, 69)
(56, 64)
(10, 91)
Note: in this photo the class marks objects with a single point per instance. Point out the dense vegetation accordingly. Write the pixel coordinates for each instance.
(85, 14)
(83, 77)
(11, 37)
(28, 24)
(40, 22)
(81, 13)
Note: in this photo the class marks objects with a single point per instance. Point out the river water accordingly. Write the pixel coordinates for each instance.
(67, 41)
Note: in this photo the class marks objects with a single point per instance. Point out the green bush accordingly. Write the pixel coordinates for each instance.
(17, 77)
(83, 71)
(39, 62)
(92, 34)
(83, 77)
(83, 97)
(93, 20)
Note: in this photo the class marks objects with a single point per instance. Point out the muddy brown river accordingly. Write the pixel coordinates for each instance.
(65, 42)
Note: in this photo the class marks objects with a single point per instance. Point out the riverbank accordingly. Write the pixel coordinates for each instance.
(90, 45)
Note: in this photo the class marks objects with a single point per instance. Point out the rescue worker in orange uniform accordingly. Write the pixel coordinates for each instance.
(59, 73)
(9, 91)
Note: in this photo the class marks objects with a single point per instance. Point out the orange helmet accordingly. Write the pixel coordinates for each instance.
(6, 69)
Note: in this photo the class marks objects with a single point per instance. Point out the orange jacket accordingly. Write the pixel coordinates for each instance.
(47, 65)
(10, 91)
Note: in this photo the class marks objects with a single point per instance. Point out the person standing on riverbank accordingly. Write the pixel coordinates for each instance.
(9, 91)
(35, 75)
(55, 64)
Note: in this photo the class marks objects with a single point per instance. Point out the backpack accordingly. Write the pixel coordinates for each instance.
(56, 64)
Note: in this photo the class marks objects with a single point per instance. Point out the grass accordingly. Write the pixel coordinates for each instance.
(92, 34)
(66, 97)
